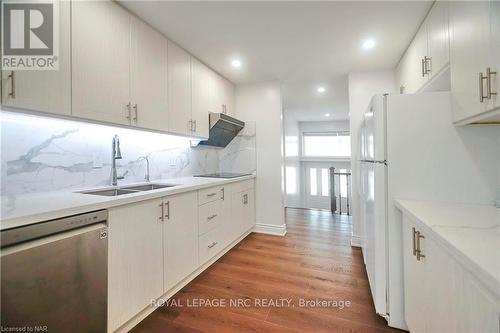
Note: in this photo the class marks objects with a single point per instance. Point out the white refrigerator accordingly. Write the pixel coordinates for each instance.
(410, 149)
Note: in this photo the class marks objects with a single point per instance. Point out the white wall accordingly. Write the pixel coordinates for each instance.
(362, 86)
(262, 103)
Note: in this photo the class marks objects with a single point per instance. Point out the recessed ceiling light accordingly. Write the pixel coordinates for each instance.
(327, 115)
(236, 63)
(369, 44)
(321, 89)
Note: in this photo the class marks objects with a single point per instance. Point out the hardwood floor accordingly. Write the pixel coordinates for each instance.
(313, 261)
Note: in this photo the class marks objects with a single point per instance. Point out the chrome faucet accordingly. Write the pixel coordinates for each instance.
(146, 158)
(116, 154)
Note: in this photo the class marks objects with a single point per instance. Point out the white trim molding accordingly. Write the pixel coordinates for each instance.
(270, 229)
(355, 241)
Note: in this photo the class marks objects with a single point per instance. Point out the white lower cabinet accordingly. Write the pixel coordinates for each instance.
(440, 295)
(180, 238)
(155, 245)
(135, 260)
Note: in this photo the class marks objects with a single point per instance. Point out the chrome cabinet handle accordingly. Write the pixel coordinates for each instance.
(194, 126)
(489, 74)
(162, 216)
(12, 77)
(223, 193)
(211, 194)
(135, 111)
(419, 251)
(423, 68)
(245, 199)
(482, 78)
(211, 217)
(414, 242)
(129, 111)
(168, 210)
(427, 60)
(212, 245)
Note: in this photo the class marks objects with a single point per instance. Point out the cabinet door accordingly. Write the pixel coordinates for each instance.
(249, 209)
(200, 97)
(495, 42)
(469, 49)
(414, 283)
(229, 103)
(180, 235)
(216, 93)
(100, 61)
(45, 91)
(403, 74)
(438, 37)
(135, 260)
(148, 77)
(237, 219)
(481, 310)
(417, 51)
(444, 286)
(179, 89)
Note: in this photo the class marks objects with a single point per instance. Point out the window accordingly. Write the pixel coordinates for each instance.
(331, 144)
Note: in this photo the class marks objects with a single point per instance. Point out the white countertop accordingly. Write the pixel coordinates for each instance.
(471, 233)
(27, 209)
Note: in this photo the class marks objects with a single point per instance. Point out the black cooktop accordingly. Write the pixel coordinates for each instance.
(223, 175)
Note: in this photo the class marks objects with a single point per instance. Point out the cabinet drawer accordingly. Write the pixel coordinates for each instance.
(210, 244)
(209, 216)
(242, 186)
(210, 194)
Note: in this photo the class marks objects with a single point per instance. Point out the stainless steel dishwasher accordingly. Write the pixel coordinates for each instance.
(54, 275)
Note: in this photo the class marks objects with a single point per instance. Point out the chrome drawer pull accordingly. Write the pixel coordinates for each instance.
(211, 217)
(211, 194)
(12, 77)
(482, 78)
(162, 217)
(212, 245)
(414, 242)
(489, 73)
(168, 210)
(419, 251)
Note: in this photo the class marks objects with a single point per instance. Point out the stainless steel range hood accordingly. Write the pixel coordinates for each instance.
(223, 129)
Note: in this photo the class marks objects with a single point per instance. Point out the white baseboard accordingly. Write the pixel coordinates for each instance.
(270, 229)
(355, 241)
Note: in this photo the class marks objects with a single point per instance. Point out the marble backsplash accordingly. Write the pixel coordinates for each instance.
(41, 154)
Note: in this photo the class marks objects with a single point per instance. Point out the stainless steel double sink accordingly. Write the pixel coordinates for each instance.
(115, 191)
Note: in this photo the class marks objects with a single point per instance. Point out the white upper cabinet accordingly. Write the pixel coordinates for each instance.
(495, 54)
(179, 90)
(216, 93)
(201, 76)
(438, 38)
(428, 53)
(469, 56)
(229, 99)
(48, 90)
(101, 61)
(417, 57)
(148, 77)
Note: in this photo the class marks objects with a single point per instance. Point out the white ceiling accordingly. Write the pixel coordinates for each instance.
(303, 44)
